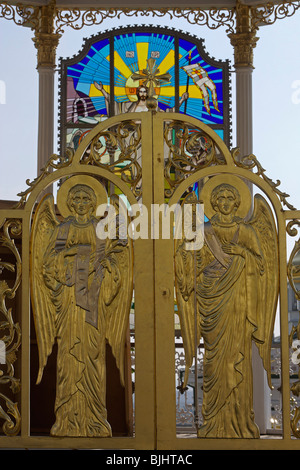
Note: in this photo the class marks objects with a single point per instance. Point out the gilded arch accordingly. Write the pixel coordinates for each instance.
(154, 320)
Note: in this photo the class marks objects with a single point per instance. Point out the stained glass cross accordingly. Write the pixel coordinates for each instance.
(151, 77)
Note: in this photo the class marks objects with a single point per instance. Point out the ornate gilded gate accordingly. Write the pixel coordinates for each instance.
(77, 298)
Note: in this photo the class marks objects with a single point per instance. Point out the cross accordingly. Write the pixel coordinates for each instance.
(151, 77)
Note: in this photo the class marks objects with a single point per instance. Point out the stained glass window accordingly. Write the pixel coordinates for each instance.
(99, 82)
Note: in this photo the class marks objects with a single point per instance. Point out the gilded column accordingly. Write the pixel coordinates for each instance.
(46, 42)
(244, 41)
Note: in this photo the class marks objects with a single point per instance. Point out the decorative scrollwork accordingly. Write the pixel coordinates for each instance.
(294, 422)
(293, 268)
(293, 271)
(20, 14)
(189, 149)
(118, 150)
(268, 13)
(295, 386)
(250, 162)
(291, 230)
(55, 162)
(213, 18)
(11, 332)
(77, 19)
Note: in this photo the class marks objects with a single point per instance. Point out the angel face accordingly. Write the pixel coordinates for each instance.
(225, 199)
(225, 202)
(81, 200)
(82, 203)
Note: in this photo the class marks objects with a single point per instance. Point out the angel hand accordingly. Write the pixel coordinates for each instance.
(233, 249)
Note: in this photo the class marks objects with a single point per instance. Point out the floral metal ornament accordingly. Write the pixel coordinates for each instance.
(10, 329)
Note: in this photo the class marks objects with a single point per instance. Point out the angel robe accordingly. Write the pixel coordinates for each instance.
(230, 305)
(73, 274)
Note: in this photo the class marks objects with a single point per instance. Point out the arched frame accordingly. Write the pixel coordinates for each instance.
(154, 285)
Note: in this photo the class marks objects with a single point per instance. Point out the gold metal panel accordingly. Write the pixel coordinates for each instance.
(154, 270)
(78, 164)
(231, 167)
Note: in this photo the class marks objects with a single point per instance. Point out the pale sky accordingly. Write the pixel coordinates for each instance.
(276, 96)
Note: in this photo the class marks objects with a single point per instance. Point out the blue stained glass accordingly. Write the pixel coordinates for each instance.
(131, 53)
(93, 67)
(202, 79)
(101, 45)
(197, 73)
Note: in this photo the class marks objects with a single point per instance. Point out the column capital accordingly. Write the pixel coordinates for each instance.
(243, 44)
(244, 38)
(46, 44)
(45, 39)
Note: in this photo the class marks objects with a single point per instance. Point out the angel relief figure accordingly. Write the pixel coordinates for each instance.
(81, 288)
(235, 294)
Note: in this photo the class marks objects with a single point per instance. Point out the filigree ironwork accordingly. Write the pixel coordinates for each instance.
(242, 34)
(55, 162)
(269, 13)
(250, 162)
(118, 150)
(21, 15)
(293, 271)
(291, 230)
(10, 330)
(295, 386)
(186, 416)
(188, 150)
(213, 18)
(293, 267)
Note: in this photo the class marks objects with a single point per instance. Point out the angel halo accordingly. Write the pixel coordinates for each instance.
(234, 181)
(82, 180)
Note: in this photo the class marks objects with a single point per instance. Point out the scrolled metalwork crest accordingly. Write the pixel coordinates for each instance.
(250, 162)
(118, 150)
(189, 149)
(9, 329)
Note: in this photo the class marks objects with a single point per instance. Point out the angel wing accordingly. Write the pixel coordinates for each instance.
(185, 297)
(44, 224)
(263, 223)
(186, 262)
(117, 286)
